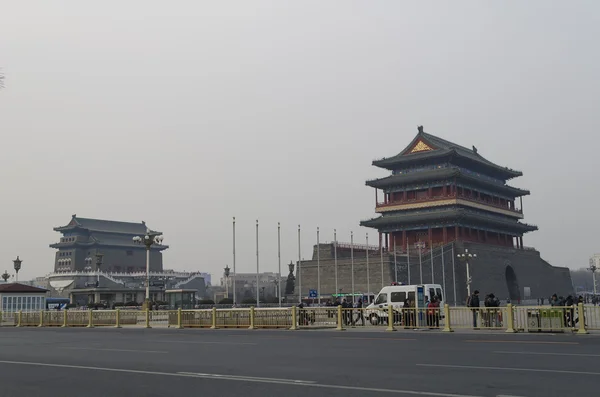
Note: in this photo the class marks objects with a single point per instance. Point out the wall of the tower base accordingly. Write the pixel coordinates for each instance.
(504, 271)
(345, 270)
(509, 272)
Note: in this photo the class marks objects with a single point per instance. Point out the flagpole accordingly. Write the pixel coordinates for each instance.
(257, 269)
(298, 269)
(352, 263)
(381, 252)
(453, 274)
(408, 261)
(431, 254)
(368, 278)
(279, 260)
(234, 274)
(420, 265)
(318, 269)
(443, 277)
(335, 260)
(395, 263)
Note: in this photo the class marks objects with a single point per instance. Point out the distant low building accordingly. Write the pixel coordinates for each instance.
(19, 297)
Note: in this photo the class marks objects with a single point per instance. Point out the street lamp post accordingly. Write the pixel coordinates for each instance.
(466, 256)
(593, 267)
(99, 257)
(148, 240)
(227, 270)
(17, 263)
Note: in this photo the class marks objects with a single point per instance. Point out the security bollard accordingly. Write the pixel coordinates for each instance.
(179, 315)
(447, 319)
(91, 319)
(214, 318)
(294, 326)
(118, 318)
(510, 319)
(390, 326)
(64, 324)
(19, 318)
(41, 318)
(251, 318)
(148, 318)
(581, 310)
(339, 318)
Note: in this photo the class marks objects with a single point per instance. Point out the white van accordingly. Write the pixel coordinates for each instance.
(395, 295)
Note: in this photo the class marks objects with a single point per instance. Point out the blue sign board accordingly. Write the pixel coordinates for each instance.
(312, 293)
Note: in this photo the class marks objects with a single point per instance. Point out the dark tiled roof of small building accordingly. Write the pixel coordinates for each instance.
(20, 288)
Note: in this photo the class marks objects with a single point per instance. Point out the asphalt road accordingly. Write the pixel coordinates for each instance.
(166, 362)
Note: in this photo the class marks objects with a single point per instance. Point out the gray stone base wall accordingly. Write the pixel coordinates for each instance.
(488, 272)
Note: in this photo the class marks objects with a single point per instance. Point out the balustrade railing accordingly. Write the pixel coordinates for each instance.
(446, 197)
(579, 318)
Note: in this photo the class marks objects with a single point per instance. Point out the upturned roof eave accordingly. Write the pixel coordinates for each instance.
(390, 162)
(392, 180)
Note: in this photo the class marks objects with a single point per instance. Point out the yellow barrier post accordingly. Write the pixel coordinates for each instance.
(582, 330)
(179, 319)
(91, 319)
(41, 319)
(19, 318)
(339, 319)
(294, 326)
(64, 318)
(251, 318)
(0, 319)
(214, 318)
(390, 326)
(118, 318)
(447, 327)
(510, 319)
(148, 318)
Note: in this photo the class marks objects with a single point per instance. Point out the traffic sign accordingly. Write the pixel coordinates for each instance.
(312, 293)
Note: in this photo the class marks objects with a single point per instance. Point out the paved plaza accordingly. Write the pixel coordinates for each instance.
(103, 362)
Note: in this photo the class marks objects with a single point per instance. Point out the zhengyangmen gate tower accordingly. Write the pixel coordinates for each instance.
(441, 192)
(440, 200)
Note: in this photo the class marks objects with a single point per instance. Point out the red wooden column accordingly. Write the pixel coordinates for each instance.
(445, 234)
(430, 234)
(521, 241)
(403, 240)
(456, 235)
(379, 240)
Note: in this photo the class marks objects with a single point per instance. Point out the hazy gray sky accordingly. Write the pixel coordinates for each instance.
(186, 113)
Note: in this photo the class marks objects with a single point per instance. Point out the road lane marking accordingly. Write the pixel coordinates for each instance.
(532, 342)
(358, 338)
(187, 342)
(550, 354)
(555, 371)
(236, 377)
(244, 379)
(114, 350)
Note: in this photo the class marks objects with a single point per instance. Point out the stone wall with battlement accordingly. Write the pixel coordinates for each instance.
(488, 272)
